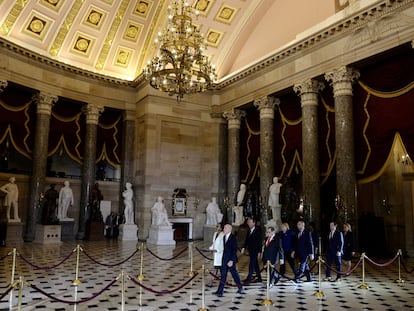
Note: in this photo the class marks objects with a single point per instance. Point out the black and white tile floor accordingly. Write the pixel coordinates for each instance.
(383, 293)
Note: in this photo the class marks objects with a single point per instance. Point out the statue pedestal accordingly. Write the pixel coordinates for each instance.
(48, 234)
(208, 233)
(128, 232)
(68, 232)
(161, 235)
(14, 233)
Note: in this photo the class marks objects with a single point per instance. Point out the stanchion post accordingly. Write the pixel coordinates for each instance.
(140, 277)
(267, 301)
(203, 289)
(363, 285)
(76, 281)
(399, 280)
(122, 290)
(14, 252)
(190, 250)
(319, 292)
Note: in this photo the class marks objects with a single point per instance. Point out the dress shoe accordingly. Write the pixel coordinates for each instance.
(240, 291)
(338, 280)
(276, 281)
(218, 294)
(327, 279)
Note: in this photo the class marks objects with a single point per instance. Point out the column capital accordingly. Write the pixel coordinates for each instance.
(218, 117)
(341, 80)
(128, 115)
(308, 91)
(234, 117)
(45, 102)
(92, 112)
(3, 85)
(266, 106)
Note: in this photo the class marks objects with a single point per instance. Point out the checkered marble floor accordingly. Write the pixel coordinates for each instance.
(383, 293)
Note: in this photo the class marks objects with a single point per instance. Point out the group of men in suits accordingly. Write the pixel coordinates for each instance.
(272, 251)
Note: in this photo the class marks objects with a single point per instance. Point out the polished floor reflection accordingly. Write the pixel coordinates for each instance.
(99, 268)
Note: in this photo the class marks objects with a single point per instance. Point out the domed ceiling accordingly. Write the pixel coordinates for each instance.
(115, 37)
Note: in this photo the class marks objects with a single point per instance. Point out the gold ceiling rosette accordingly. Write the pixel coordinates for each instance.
(180, 67)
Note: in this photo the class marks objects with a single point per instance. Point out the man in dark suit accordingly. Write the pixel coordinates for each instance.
(334, 251)
(302, 250)
(253, 243)
(273, 252)
(229, 261)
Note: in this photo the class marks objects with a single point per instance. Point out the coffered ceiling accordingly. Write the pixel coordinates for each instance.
(115, 37)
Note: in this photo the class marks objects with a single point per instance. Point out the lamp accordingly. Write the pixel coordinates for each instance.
(180, 66)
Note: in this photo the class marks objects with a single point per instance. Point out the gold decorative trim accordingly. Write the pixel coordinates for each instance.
(64, 29)
(226, 14)
(203, 6)
(104, 156)
(132, 31)
(62, 142)
(103, 55)
(143, 7)
(52, 4)
(82, 44)
(94, 17)
(214, 37)
(251, 132)
(12, 16)
(331, 163)
(123, 56)
(36, 26)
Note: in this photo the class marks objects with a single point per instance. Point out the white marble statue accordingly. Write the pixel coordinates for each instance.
(274, 191)
(65, 200)
(11, 199)
(214, 215)
(238, 209)
(129, 209)
(159, 214)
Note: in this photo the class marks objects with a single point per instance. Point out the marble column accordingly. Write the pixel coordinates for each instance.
(341, 80)
(308, 91)
(44, 103)
(127, 157)
(88, 166)
(222, 149)
(233, 153)
(266, 106)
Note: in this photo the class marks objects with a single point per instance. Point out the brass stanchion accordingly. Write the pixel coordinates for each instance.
(140, 277)
(363, 285)
(20, 287)
(14, 252)
(399, 280)
(203, 288)
(319, 292)
(122, 277)
(190, 250)
(267, 301)
(76, 281)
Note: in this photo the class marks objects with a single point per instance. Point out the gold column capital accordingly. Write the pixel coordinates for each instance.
(341, 80)
(234, 118)
(44, 102)
(266, 106)
(3, 85)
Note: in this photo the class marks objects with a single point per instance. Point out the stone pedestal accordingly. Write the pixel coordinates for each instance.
(68, 232)
(161, 235)
(95, 230)
(208, 233)
(48, 234)
(128, 233)
(14, 233)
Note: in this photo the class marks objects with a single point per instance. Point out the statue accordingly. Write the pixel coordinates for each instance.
(274, 204)
(95, 203)
(65, 200)
(214, 215)
(159, 214)
(129, 210)
(238, 209)
(12, 196)
(50, 199)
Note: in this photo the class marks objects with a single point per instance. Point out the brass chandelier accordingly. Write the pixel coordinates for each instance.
(180, 66)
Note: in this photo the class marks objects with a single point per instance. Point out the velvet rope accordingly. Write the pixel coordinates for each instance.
(9, 288)
(166, 259)
(382, 264)
(164, 292)
(202, 254)
(406, 269)
(344, 272)
(72, 302)
(110, 265)
(46, 268)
